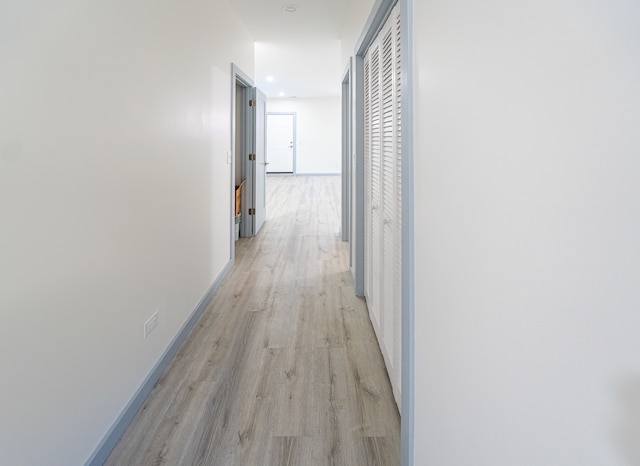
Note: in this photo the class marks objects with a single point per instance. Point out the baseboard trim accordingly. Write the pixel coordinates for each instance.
(317, 174)
(302, 174)
(107, 444)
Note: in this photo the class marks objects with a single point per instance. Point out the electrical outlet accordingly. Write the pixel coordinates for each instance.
(150, 324)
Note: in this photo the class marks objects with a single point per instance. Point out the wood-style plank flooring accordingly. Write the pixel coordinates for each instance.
(283, 367)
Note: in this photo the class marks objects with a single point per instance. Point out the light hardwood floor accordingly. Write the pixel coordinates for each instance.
(283, 367)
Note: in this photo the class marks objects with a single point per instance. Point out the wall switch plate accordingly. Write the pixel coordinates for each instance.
(150, 324)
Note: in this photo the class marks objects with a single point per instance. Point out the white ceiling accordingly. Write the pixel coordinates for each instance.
(301, 50)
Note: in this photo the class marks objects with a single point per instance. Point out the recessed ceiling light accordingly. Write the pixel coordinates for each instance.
(269, 79)
(281, 94)
(290, 8)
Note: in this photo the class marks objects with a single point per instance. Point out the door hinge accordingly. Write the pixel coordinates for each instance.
(252, 103)
(252, 156)
(252, 211)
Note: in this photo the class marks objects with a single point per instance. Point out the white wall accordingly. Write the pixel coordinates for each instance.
(356, 13)
(527, 170)
(318, 132)
(114, 202)
(302, 68)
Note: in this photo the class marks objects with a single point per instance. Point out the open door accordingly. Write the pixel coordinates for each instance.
(259, 168)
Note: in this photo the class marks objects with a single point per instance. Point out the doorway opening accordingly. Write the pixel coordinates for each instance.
(249, 171)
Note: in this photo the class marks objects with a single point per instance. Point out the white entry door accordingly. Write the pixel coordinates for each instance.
(281, 142)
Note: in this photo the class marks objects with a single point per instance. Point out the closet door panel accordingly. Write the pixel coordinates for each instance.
(383, 193)
(397, 331)
(388, 197)
(376, 189)
(368, 282)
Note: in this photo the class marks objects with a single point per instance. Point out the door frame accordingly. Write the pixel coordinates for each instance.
(379, 13)
(240, 78)
(295, 136)
(347, 160)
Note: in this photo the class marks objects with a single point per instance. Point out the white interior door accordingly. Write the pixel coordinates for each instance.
(281, 142)
(259, 212)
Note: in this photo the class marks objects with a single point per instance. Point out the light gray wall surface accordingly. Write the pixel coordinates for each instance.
(115, 199)
(527, 212)
(356, 13)
(317, 132)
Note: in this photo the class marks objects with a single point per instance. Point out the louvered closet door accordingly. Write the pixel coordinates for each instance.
(376, 191)
(397, 324)
(383, 221)
(368, 280)
(372, 260)
(389, 218)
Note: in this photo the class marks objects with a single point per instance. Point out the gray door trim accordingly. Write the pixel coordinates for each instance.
(379, 14)
(374, 24)
(295, 135)
(346, 156)
(358, 146)
(408, 239)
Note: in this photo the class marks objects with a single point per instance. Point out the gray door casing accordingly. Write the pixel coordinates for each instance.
(347, 162)
(379, 13)
(241, 130)
(251, 132)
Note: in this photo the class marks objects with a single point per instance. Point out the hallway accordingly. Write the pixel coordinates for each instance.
(283, 368)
